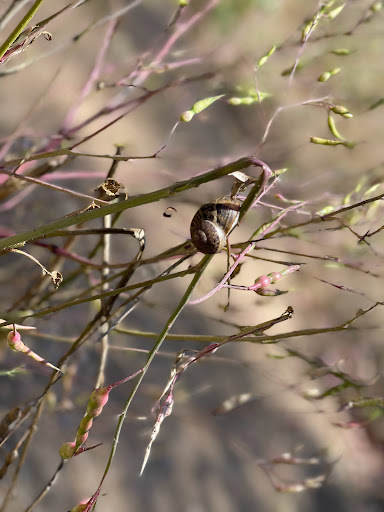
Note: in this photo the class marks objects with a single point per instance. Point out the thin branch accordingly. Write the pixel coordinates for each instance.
(128, 203)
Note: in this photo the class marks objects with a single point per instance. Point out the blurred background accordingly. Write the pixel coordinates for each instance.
(208, 456)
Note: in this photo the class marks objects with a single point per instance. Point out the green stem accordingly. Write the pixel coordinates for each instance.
(19, 28)
(183, 302)
(12, 317)
(132, 202)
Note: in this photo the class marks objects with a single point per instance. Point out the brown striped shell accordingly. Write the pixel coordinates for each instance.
(212, 224)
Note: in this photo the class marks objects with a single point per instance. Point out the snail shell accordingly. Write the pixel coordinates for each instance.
(212, 224)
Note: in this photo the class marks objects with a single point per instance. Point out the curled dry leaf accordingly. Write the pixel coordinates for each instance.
(110, 189)
(57, 278)
(168, 212)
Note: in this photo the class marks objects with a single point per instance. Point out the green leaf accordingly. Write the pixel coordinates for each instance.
(13, 371)
(325, 142)
(198, 107)
(326, 210)
(336, 12)
(288, 71)
(341, 51)
(377, 103)
(248, 100)
(203, 104)
(331, 142)
(324, 77)
(341, 111)
(264, 59)
(333, 129)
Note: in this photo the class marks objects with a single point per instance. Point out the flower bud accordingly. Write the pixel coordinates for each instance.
(342, 111)
(341, 51)
(262, 282)
(99, 397)
(81, 438)
(67, 450)
(14, 341)
(85, 425)
(187, 116)
(275, 276)
(324, 77)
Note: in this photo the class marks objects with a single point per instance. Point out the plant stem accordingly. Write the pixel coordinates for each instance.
(20, 27)
(183, 302)
(151, 197)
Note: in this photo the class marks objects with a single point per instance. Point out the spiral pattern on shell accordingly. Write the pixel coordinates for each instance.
(212, 224)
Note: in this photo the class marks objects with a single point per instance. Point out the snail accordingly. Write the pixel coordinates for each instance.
(212, 224)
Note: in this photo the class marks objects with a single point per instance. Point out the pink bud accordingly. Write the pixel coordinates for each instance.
(14, 341)
(67, 450)
(85, 424)
(97, 400)
(14, 336)
(262, 282)
(275, 276)
(80, 439)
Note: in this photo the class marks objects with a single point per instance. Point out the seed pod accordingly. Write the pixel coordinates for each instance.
(212, 224)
